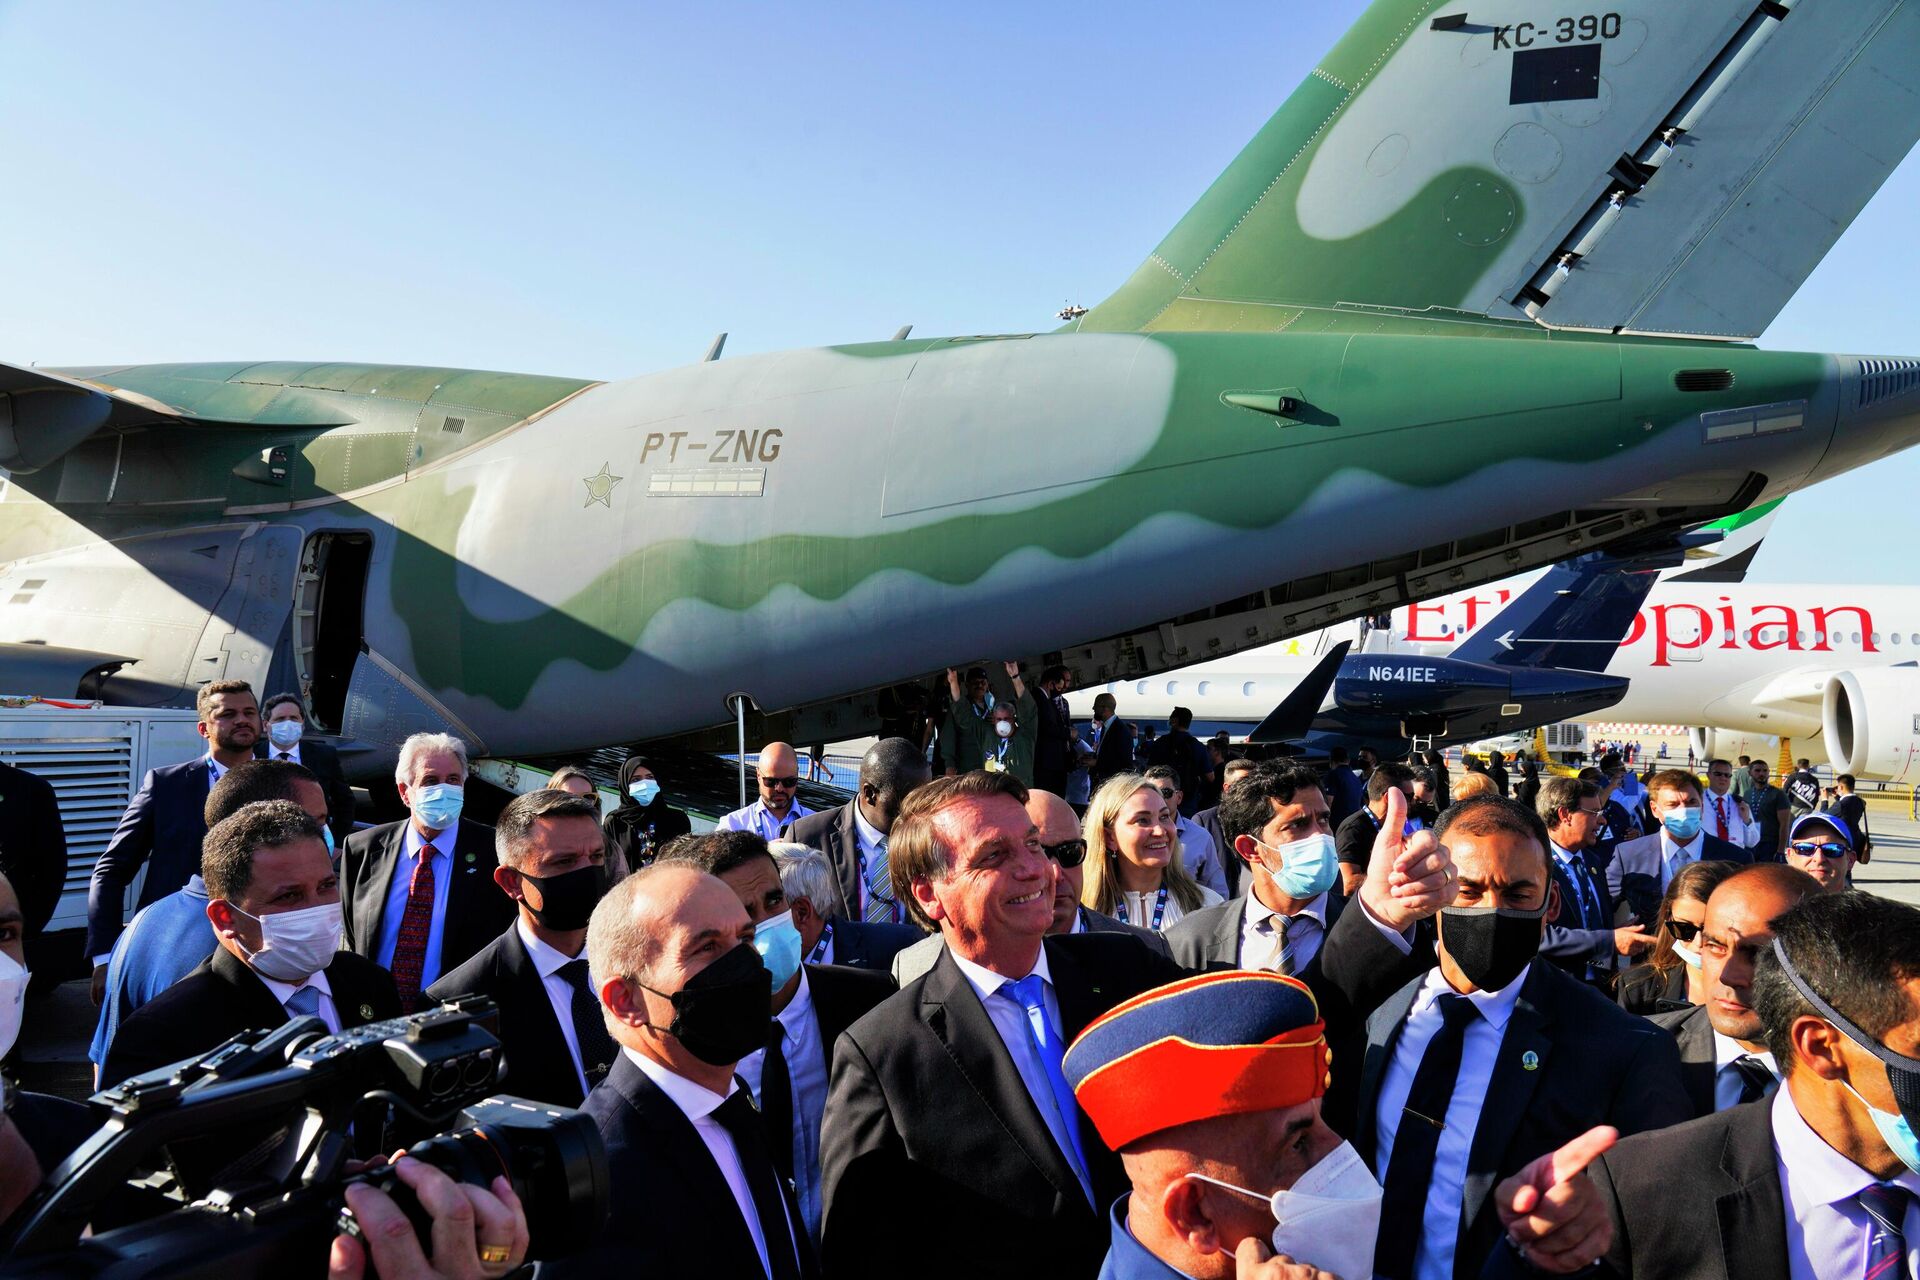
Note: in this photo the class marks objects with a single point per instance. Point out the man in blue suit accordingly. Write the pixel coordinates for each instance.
(166, 823)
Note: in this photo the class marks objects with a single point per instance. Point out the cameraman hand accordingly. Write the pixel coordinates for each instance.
(469, 1225)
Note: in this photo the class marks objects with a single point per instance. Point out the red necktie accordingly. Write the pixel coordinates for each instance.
(410, 949)
(1720, 812)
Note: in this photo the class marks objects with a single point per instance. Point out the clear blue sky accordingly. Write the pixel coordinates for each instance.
(597, 189)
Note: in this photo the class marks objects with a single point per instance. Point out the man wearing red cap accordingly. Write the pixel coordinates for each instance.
(1209, 1089)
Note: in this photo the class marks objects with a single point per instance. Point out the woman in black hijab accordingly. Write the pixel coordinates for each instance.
(643, 821)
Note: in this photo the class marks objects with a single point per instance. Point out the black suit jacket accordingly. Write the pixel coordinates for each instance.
(1115, 752)
(676, 1215)
(841, 997)
(1644, 991)
(1566, 942)
(321, 760)
(1692, 1034)
(1053, 743)
(859, 944)
(1699, 1199)
(538, 1065)
(165, 823)
(1354, 970)
(222, 998)
(832, 832)
(476, 909)
(926, 1108)
(33, 845)
(1593, 1063)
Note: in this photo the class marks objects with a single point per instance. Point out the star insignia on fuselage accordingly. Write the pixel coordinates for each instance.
(600, 487)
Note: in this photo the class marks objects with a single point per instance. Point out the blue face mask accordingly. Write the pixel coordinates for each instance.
(439, 806)
(644, 791)
(778, 943)
(1682, 824)
(1308, 867)
(285, 734)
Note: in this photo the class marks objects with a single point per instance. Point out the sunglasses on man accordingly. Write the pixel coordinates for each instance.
(1825, 849)
(787, 783)
(1068, 853)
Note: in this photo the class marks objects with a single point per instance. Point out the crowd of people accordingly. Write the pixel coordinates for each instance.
(1222, 1017)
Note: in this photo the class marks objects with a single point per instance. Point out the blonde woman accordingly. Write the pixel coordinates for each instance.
(1133, 864)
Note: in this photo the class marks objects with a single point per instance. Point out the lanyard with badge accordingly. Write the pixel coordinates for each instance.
(1159, 909)
(826, 940)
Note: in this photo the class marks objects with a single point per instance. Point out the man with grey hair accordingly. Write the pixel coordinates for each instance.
(274, 903)
(854, 836)
(419, 892)
(553, 867)
(686, 997)
(826, 932)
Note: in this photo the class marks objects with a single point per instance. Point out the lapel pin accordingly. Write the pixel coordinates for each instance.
(1529, 1061)
(366, 1011)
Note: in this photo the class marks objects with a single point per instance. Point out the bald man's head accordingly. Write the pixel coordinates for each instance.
(1739, 921)
(779, 773)
(1054, 816)
(1059, 825)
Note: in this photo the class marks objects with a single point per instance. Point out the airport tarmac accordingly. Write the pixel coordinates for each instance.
(52, 1054)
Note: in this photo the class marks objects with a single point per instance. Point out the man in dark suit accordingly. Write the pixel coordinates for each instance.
(688, 1162)
(812, 1005)
(1581, 937)
(1724, 1059)
(274, 901)
(1177, 749)
(1208, 821)
(1641, 869)
(553, 868)
(1291, 923)
(1346, 794)
(826, 935)
(419, 893)
(1060, 840)
(164, 823)
(1494, 1057)
(33, 845)
(1806, 1185)
(1053, 743)
(854, 836)
(1113, 753)
(284, 739)
(951, 1092)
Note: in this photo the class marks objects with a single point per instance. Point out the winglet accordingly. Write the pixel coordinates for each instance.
(1291, 719)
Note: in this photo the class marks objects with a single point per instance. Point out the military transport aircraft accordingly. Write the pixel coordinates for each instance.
(1475, 299)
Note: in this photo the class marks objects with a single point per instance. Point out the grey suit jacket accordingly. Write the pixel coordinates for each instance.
(918, 958)
(1634, 873)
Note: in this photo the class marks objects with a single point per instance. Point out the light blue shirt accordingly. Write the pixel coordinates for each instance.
(396, 908)
(167, 940)
(1827, 1229)
(757, 818)
(806, 1056)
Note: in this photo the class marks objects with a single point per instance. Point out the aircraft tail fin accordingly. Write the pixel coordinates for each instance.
(1676, 169)
(1728, 559)
(1295, 715)
(1573, 616)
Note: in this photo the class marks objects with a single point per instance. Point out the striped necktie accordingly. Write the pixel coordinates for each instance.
(880, 904)
(1886, 1204)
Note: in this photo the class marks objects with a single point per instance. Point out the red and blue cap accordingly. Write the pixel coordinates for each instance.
(1218, 1044)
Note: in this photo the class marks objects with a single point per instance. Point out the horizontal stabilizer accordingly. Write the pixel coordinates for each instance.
(1290, 720)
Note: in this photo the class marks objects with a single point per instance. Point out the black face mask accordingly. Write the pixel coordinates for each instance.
(568, 899)
(722, 1013)
(1491, 945)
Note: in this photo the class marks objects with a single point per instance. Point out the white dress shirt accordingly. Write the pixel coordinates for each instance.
(549, 961)
(1138, 908)
(290, 754)
(1260, 934)
(396, 909)
(1010, 1020)
(1440, 1227)
(698, 1103)
(869, 839)
(1726, 1081)
(283, 992)
(756, 817)
(1740, 832)
(806, 1055)
(1827, 1229)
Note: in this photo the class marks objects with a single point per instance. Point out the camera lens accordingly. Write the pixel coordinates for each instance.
(480, 1070)
(443, 1079)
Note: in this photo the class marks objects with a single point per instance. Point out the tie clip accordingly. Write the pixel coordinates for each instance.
(1438, 1124)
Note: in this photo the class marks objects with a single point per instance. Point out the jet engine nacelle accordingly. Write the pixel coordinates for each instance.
(1870, 721)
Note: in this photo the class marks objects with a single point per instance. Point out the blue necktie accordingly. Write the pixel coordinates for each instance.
(1886, 1203)
(305, 1003)
(1583, 886)
(1030, 991)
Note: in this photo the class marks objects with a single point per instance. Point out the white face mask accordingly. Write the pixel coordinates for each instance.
(1329, 1217)
(13, 1000)
(1687, 954)
(295, 945)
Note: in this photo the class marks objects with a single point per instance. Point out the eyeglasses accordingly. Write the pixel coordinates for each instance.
(1166, 793)
(1068, 853)
(1828, 849)
(789, 782)
(1683, 930)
